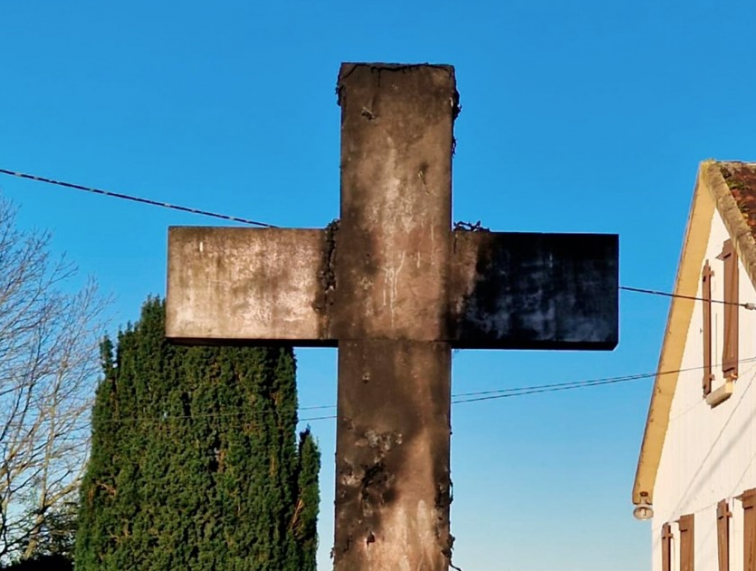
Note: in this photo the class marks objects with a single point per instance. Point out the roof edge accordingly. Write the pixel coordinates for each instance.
(695, 242)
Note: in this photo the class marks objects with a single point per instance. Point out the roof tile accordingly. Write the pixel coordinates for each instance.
(741, 180)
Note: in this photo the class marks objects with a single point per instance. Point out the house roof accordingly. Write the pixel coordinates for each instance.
(741, 180)
(730, 188)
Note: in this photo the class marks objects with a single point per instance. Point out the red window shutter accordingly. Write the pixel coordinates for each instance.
(731, 311)
(687, 543)
(723, 535)
(706, 303)
(749, 530)
(666, 547)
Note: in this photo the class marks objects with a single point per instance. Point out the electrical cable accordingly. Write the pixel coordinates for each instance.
(749, 306)
(459, 398)
(134, 198)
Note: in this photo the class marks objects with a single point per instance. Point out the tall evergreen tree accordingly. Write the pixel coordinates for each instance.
(194, 461)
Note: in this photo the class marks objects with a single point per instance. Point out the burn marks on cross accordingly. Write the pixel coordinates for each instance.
(367, 482)
(325, 294)
(394, 363)
(327, 272)
(392, 479)
(373, 478)
(514, 290)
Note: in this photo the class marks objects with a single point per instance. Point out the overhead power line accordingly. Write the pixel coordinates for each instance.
(458, 398)
(134, 198)
(556, 387)
(750, 306)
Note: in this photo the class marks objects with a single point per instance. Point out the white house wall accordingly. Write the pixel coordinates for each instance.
(709, 454)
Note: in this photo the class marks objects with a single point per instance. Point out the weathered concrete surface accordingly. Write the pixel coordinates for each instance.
(392, 444)
(392, 467)
(534, 291)
(396, 127)
(235, 284)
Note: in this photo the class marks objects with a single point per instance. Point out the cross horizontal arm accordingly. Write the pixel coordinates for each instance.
(506, 290)
(241, 285)
(534, 291)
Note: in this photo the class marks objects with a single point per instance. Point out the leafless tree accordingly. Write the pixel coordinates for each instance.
(49, 331)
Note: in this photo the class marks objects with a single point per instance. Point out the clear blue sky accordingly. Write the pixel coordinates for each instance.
(577, 116)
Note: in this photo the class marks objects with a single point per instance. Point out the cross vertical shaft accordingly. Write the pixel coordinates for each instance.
(392, 451)
(392, 480)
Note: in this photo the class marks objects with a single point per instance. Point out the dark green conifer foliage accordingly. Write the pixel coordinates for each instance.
(305, 519)
(194, 461)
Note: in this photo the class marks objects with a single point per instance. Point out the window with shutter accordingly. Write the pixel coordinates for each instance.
(666, 547)
(687, 542)
(706, 303)
(749, 530)
(723, 535)
(731, 313)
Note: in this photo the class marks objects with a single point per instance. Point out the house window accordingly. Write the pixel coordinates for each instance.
(730, 345)
(708, 375)
(666, 547)
(720, 324)
(749, 530)
(723, 535)
(687, 543)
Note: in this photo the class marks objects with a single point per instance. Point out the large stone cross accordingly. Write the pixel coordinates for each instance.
(396, 289)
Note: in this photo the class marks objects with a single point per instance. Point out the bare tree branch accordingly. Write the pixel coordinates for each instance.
(49, 338)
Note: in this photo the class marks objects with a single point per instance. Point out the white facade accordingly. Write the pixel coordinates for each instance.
(709, 453)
